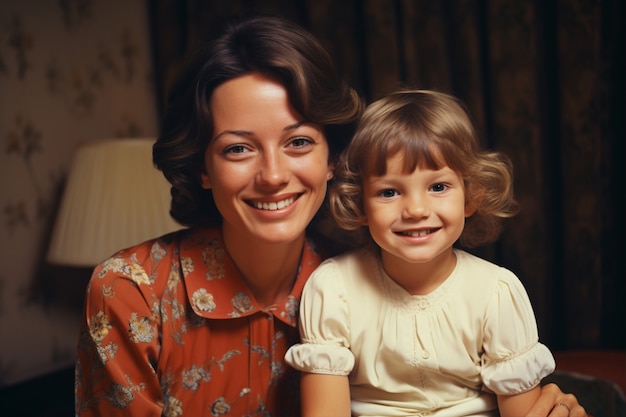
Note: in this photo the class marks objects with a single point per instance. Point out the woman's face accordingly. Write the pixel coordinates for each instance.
(266, 166)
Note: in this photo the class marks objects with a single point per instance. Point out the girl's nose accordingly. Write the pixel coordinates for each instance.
(273, 171)
(416, 206)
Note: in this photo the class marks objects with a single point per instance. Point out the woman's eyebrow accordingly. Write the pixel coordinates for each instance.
(232, 132)
(244, 133)
(294, 126)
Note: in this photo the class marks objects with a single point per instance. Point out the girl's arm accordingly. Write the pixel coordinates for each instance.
(551, 395)
(325, 395)
(518, 405)
(513, 302)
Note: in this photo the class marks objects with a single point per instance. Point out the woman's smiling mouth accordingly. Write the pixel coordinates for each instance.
(272, 205)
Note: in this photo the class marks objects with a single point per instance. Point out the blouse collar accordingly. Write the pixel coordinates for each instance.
(216, 289)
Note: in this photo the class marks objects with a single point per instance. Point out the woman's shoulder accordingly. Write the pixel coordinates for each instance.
(148, 259)
(138, 253)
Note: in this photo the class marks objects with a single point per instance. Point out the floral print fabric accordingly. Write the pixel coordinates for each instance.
(171, 329)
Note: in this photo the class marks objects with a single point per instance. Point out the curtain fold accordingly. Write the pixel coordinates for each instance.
(544, 82)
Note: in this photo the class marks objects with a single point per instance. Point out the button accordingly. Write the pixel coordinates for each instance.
(425, 354)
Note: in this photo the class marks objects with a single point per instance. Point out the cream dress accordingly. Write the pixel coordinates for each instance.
(442, 354)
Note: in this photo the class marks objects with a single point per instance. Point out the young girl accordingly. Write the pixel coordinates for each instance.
(413, 326)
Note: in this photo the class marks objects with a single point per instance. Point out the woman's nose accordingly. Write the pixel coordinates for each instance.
(273, 171)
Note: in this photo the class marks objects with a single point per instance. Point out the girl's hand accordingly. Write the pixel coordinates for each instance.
(555, 403)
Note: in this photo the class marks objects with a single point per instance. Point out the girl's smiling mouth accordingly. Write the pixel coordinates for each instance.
(417, 233)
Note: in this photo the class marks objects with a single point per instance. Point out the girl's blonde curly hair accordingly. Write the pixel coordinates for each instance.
(432, 130)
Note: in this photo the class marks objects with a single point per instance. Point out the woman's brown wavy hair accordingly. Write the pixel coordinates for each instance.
(269, 45)
(432, 130)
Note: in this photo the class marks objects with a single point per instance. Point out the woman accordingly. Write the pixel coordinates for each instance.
(197, 322)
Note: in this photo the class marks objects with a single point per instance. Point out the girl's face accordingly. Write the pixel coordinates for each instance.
(267, 167)
(415, 218)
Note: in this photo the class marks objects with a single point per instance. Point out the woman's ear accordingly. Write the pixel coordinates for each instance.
(330, 171)
(205, 181)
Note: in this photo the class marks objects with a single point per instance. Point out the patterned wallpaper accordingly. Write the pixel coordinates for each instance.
(71, 71)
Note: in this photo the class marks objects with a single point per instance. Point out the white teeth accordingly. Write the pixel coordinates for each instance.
(273, 205)
(418, 233)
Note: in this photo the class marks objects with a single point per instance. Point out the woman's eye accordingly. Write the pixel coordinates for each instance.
(235, 149)
(439, 188)
(300, 142)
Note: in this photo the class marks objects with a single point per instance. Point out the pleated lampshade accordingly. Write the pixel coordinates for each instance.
(114, 198)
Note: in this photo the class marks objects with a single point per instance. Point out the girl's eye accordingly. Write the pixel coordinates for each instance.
(388, 193)
(438, 188)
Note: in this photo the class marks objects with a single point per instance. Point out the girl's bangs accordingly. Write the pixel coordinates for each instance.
(424, 152)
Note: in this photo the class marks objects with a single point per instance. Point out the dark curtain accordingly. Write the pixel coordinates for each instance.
(545, 83)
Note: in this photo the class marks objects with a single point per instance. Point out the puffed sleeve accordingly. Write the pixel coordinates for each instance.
(324, 326)
(514, 360)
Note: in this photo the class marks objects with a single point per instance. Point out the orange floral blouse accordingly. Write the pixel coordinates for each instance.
(170, 329)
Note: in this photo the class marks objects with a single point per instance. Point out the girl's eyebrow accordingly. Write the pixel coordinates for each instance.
(245, 133)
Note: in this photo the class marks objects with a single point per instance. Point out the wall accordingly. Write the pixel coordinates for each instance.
(71, 71)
